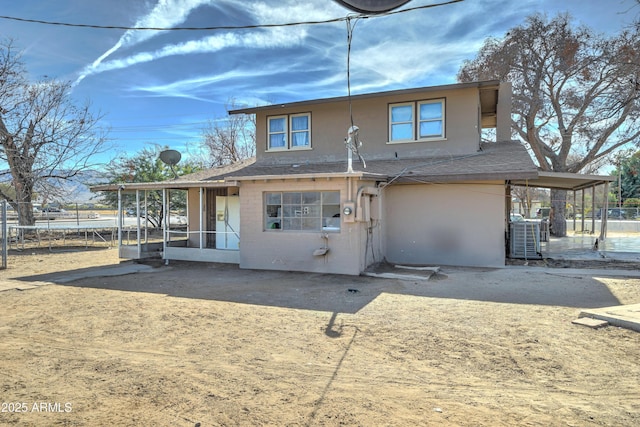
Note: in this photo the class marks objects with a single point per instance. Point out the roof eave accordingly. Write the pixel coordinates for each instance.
(455, 86)
(468, 177)
(564, 181)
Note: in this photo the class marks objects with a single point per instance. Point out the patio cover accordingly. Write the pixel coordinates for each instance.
(564, 181)
(571, 182)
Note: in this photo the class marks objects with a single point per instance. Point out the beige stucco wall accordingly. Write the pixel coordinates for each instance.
(330, 122)
(445, 224)
(288, 250)
(503, 125)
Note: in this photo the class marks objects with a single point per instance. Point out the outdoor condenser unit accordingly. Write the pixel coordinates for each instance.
(525, 240)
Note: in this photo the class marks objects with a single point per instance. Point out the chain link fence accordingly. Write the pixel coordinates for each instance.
(72, 226)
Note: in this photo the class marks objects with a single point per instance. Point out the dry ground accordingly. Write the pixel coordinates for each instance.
(211, 345)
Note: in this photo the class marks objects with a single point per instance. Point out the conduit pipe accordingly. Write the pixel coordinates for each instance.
(362, 191)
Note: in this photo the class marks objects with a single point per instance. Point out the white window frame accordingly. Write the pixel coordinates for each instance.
(288, 132)
(412, 121)
(415, 121)
(292, 132)
(285, 132)
(440, 119)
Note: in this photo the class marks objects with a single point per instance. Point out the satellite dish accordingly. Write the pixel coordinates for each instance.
(371, 6)
(171, 158)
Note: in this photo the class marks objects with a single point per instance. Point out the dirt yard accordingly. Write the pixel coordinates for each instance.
(212, 345)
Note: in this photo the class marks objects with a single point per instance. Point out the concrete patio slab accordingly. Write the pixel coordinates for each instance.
(590, 322)
(624, 316)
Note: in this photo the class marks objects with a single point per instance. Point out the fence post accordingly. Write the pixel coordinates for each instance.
(4, 234)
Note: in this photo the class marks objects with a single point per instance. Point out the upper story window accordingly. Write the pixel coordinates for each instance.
(277, 132)
(289, 132)
(412, 121)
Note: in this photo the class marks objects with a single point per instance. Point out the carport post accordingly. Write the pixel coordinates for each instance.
(574, 211)
(593, 209)
(605, 208)
(582, 210)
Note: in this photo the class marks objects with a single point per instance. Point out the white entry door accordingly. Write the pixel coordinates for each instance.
(228, 222)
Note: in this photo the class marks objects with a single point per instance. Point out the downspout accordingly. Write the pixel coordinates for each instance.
(381, 248)
(360, 216)
(382, 186)
(366, 190)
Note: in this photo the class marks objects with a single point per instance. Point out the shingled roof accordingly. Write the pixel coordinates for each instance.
(494, 161)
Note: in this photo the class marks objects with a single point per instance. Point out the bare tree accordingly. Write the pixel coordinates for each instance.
(576, 93)
(229, 139)
(44, 137)
(527, 196)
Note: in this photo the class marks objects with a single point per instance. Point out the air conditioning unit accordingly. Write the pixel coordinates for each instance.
(525, 240)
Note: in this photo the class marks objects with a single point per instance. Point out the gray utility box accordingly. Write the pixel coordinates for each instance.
(525, 240)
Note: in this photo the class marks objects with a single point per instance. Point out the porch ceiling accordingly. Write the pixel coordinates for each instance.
(563, 181)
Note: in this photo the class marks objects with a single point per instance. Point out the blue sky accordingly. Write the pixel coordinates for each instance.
(161, 87)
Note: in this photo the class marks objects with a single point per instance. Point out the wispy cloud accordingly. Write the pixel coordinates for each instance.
(389, 51)
(166, 13)
(391, 64)
(190, 88)
(169, 13)
(268, 38)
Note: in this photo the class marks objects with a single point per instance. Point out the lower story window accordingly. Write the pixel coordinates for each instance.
(302, 211)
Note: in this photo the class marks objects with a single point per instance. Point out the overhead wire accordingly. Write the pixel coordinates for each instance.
(348, 19)
(350, 29)
(352, 142)
(222, 27)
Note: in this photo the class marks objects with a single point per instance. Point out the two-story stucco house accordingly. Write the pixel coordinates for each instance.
(431, 193)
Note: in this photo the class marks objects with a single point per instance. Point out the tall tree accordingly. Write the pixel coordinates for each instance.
(527, 196)
(628, 171)
(576, 94)
(229, 139)
(45, 138)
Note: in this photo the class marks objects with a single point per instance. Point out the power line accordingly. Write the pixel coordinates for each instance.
(223, 27)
